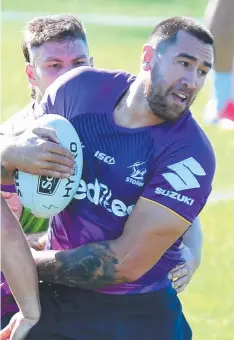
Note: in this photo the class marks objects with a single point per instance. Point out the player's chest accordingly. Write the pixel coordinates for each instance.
(119, 161)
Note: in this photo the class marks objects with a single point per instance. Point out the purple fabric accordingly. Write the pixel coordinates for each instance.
(171, 164)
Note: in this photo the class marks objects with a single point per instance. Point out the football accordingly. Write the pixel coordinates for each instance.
(47, 196)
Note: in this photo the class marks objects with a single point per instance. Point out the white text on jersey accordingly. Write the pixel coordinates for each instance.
(105, 158)
(174, 195)
(99, 194)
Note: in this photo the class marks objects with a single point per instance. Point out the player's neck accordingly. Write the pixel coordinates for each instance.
(133, 110)
(38, 97)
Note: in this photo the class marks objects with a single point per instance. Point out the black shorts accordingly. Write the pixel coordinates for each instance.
(73, 314)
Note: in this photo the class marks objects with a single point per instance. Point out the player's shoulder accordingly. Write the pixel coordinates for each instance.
(196, 137)
(18, 120)
(186, 140)
(87, 77)
(196, 144)
(86, 90)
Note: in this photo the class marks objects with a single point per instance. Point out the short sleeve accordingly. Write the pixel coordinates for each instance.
(182, 180)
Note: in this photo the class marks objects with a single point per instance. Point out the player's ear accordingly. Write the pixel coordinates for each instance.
(30, 72)
(91, 61)
(147, 57)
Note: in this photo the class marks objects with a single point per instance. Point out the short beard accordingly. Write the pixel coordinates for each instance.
(156, 99)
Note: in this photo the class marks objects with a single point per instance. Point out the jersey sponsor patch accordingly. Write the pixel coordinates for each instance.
(99, 194)
(174, 195)
(184, 174)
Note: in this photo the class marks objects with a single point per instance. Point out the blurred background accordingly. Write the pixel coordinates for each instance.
(116, 31)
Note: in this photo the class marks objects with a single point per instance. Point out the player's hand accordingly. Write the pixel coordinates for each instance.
(37, 151)
(18, 327)
(182, 274)
(13, 202)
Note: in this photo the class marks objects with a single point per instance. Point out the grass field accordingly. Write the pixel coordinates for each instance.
(209, 300)
(126, 7)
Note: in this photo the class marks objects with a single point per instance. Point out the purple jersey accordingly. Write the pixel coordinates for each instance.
(171, 164)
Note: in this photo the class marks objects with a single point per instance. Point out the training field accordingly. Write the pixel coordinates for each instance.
(209, 300)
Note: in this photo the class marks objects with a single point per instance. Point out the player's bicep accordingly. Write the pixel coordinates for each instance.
(17, 123)
(150, 230)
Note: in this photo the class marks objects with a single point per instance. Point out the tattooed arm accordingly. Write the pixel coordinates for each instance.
(149, 232)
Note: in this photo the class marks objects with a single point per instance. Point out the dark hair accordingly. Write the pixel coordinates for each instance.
(50, 28)
(166, 31)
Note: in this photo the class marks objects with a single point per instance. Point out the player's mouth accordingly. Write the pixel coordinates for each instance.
(179, 97)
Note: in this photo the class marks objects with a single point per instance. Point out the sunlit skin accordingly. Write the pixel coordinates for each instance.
(176, 75)
(54, 58)
(181, 69)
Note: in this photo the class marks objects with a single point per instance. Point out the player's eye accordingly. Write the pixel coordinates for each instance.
(55, 65)
(202, 72)
(184, 63)
(80, 62)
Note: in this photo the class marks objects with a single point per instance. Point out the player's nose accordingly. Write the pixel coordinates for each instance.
(190, 80)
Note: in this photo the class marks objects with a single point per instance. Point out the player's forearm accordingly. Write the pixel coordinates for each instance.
(7, 171)
(18, 265)
(37, 241)
(193, 240)
(92, 266)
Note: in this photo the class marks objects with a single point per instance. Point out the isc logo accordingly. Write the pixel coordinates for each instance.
(105, 158)
(47, 185)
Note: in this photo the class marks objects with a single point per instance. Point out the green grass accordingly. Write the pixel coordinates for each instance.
(126, 7)
(208, 301)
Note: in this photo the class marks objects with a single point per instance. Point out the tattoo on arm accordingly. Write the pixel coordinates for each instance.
(92, 266)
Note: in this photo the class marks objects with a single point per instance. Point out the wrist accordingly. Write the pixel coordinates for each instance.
(7, 156)
(31, 308)
(32, 316)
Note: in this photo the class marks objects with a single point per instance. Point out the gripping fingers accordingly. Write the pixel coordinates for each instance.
(180, 282)
(51, 157)
(60, 168)
(181, 288)
(54, 173)
(178, 273)
(57, 149)
(46, 133)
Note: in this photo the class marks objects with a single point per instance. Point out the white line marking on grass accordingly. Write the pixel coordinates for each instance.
(93, 18)
(217, 197)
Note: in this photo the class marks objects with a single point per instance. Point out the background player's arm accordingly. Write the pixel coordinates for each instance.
(150, 230)
(191, 250)
(19, 268)
(193, 240)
